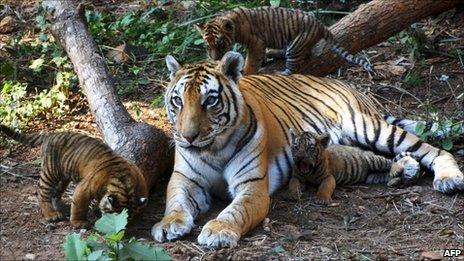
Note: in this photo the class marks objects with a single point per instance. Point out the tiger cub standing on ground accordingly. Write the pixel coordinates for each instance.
(327, 166)
(292, 32)
(96, 169)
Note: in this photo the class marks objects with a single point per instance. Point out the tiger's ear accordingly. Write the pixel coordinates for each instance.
(324, 139)
(228, 25)
(292, 134)
(173, 65)
(200, 27)
(232, 65)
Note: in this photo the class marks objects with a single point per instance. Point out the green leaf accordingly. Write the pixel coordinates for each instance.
(278, 249)
(434, 127)
(139, 251)
(158, 102)
(95, 255)
(112, 223)
(420, 127)
(198, 41)
(116, 237)
(94, 244)
(447, 144)
(74, 247)
(275, 3)
(36, 64)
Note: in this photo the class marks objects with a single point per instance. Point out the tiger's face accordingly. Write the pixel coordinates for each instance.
(218, 35)
(307, 149)
(128, 191)
(203, 101)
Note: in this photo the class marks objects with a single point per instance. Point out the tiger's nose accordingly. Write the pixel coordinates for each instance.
(190, 137)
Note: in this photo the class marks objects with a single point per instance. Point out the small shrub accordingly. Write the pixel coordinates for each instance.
(108, 243)
(445, 132)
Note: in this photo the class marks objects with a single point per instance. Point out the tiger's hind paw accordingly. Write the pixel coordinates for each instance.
(449, 185)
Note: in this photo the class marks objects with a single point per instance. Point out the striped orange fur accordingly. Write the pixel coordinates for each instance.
(288, 33)
(96, 169)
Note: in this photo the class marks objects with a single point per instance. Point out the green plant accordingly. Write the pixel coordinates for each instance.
(17, 107)
(444, 132)
(108, 243)
(412, 78)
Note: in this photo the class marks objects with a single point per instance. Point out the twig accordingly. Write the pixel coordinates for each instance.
(390, 194)
(15, 175)
(197, 20)
(399, 213)
(402, 91)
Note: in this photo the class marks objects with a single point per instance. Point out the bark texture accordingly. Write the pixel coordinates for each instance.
(145, 145)
(370, 24)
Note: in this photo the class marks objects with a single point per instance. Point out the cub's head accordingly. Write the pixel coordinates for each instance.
(307, 149)
(218, 35)
(203, 101)
(126, 188)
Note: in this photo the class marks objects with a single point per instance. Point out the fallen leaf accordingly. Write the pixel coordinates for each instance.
(292, 232)
(7, 25)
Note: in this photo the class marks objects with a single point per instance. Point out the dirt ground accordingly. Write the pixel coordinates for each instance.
(365, 223)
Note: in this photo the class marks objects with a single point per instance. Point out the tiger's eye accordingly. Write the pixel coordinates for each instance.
(211, 100)
(177, 100)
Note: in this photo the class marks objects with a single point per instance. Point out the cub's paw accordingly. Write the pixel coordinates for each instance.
(172, 226)
(80, 223)
(54, 216)
(294, 189)
(218, 234)
(449, 185)
(285, 72)
(322, 200)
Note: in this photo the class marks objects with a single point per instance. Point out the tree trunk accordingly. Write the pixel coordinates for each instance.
(370, 24)
(143, 144)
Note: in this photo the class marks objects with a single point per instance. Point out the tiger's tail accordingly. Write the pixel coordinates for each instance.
(34, 139)
(411, 126)
(351, 58)
(340, 51)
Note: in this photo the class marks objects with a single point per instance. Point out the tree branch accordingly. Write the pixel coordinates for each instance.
(145, 145)
(370, 24)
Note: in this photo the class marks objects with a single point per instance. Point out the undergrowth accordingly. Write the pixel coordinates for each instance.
(108, 243)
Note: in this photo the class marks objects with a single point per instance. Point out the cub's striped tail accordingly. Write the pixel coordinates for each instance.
(34, 139)
(411, 125)
(351, 58)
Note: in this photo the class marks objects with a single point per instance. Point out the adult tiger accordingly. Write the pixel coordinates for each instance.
(232, 137)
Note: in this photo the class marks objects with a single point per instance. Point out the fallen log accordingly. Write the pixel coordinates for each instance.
(370, 24)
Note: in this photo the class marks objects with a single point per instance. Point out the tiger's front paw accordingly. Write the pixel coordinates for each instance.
(322, 199)
(218, 234)
(80, 223)
(172, 226)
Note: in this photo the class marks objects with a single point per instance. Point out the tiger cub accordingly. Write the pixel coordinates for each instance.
(292, 32)
(97, 170)
(320, 164)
